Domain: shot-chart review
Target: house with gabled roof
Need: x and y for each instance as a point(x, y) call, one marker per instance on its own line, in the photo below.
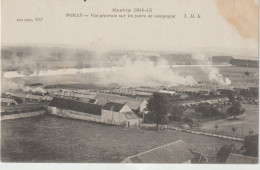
point(241, 159)
point(175, 152)
point(136, 104)
point(120, 114)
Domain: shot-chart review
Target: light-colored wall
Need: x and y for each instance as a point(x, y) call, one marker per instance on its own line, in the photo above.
point(106, 116)
point(73, 114)
point(112, 117)
point(23, 115)
point(143, 105)
point(125, 109)
point(118, 117)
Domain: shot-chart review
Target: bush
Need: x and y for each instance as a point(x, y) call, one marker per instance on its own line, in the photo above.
point(224, 152)
point(188, 121)
point(207, 110)
point(250, 147)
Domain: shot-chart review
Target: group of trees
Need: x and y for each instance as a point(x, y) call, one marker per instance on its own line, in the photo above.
point(159, 108)
point(249, 148)
point(207, 110)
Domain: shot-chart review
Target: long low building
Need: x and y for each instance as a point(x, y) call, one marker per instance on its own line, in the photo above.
point(8, 102)
point(74, 109)
point(110, 113)
point(209, 101)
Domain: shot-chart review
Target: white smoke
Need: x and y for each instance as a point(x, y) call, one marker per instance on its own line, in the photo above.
point(213, 72)
point(34, 90)
point(144, 72)
point(11, 85)
point(214, 75)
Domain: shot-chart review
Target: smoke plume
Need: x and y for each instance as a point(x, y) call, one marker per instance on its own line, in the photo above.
point(213, 72)
point(145, 72)
point(11, 85)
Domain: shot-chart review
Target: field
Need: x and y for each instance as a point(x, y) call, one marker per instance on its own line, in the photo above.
point(249, 122)
point(54, 139)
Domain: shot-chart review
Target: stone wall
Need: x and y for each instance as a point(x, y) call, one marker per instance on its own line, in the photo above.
point(23, 115)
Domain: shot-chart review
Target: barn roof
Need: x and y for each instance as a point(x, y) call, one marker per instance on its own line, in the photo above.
point(241, 159)
point(31, 96)
point(113, 106)
point(133, 103)
point(176, 152)
point(20, 95)
point(7, 100)
point(74, 105)
point(91, 100)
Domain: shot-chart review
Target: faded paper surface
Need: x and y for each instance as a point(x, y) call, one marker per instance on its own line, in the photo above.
point(78, 50)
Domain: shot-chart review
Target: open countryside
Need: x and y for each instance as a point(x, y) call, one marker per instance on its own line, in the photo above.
point(204, 110)
point(245, 125)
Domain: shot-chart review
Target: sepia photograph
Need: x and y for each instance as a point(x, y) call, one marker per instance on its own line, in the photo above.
point(130, 82)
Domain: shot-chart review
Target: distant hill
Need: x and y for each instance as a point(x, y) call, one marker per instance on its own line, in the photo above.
point(221, 59)
point(180, 59)
point(244, 63)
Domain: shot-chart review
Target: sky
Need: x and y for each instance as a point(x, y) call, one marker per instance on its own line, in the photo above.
point(219, 30)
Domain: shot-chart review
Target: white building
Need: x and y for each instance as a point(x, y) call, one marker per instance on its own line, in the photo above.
point(119, 113)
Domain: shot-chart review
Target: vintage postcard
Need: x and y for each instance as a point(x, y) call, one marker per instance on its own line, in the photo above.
point(130, 82)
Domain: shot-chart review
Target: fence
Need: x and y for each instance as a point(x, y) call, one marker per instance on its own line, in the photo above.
point(212, 133)
point(198, 131)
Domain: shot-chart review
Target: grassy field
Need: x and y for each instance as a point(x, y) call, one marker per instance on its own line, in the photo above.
point(54, 139)
point(249, 122)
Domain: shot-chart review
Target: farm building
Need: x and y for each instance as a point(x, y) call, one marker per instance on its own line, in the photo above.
point(183, 96)
point(111, 113)
point(119, 113)
point(20, 96)
point(8, 102)
point(244, 63)
point(33, 98)
point(167, 92)
point(74, 109)
point(46, 98)
point(131, 92)
point(136, 104)
point(176, 152)
point(241, 159)
point(25, 97)
point(223, 100)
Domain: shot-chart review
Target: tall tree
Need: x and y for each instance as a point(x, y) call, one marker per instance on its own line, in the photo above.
point(224, 152)
point(157, 106)
point(235, 110)
point(176, 112)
